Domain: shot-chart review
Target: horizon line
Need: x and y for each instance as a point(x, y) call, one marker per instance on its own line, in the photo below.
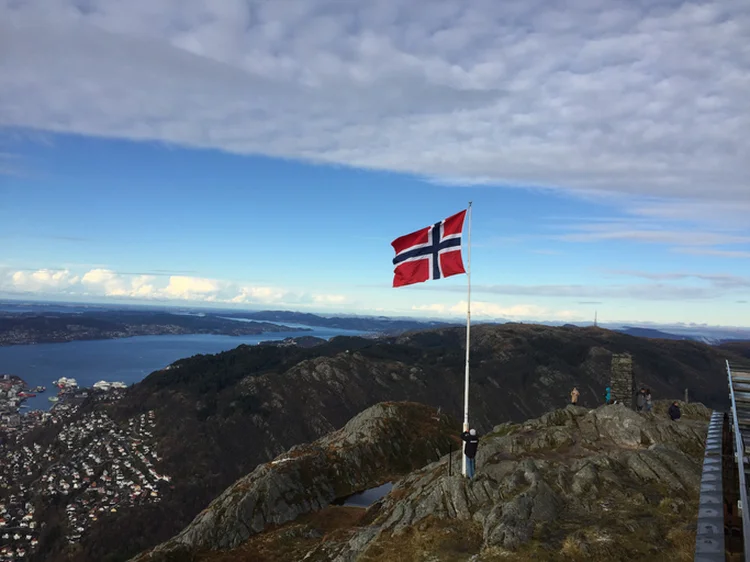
point(649, 324)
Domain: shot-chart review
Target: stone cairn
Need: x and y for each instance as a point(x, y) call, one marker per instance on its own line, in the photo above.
point(622, 384)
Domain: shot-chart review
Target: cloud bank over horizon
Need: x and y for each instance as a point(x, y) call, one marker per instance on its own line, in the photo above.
point(644, 98)
point(493, 301)
point(101, 282)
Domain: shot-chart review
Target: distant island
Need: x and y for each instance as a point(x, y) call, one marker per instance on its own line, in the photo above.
point(47, 327)
point(380, 324)
point(652, 333)
point(20, 328)
point(29, 323)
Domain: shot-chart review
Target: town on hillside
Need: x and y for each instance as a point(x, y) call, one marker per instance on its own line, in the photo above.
point(76, 458)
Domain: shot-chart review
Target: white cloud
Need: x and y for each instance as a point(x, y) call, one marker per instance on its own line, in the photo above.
point(183, 287)
point(637, 97)
point(330, 299)
point(102, 282)
point(43, 279)
point(263, 294)
point(105, 281)
point(142, 286)
point(494, 310)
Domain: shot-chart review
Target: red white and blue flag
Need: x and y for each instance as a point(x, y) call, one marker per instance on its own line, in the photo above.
point(433, 252)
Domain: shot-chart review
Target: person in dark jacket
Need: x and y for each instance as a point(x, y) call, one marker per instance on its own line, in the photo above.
point(674, 411)
point(471, 440)
point(640, 400)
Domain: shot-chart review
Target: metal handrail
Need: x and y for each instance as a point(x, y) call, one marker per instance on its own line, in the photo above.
point(739, 448)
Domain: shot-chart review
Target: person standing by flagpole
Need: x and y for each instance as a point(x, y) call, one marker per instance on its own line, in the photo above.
point(432, 253)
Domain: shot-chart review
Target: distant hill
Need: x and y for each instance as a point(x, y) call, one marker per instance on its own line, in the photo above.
point(382, 324)
point(652, 333)
point(218, 416)
point(710, 337)
point(51, 327)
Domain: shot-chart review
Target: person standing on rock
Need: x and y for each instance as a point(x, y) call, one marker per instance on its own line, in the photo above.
point(640, 400)
point(674, 411)
point(574, 394)
point(471, 440)
point(648, 405)
point(607, 395)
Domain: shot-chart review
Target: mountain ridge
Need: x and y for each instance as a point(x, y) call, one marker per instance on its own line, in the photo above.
point(218, 416)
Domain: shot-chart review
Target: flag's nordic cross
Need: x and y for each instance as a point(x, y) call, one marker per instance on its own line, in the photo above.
point(433, 252)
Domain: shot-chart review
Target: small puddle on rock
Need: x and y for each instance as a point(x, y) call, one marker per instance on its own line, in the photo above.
point(366, 498)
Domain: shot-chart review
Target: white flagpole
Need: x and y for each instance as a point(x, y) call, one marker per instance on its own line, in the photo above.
point(468, 328)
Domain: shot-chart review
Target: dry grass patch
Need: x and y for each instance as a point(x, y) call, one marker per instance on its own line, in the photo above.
point(438, 540)
point(290, 542)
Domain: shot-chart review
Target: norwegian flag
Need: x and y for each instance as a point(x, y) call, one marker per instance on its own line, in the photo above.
point(433, 252)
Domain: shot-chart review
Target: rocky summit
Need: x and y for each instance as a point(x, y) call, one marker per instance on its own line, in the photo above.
point(575, 484)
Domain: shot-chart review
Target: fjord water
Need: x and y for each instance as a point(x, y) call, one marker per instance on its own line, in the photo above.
point(127, 359)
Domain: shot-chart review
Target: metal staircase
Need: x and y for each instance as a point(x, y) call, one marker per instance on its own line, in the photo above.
point(709, 541)
point(739, 395)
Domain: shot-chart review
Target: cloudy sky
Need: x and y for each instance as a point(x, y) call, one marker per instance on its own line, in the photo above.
point(265, 153)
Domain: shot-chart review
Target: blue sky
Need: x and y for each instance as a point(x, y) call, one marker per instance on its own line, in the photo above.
point(208, 166)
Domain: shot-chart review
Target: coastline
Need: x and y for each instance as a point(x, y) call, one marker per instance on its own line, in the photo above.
point(167, 331)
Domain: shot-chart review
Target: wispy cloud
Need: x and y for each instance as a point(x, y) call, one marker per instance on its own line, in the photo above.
point(722, 214)
point(695, 236)
point(742, 254)
point(645, 291)
point(718, 280)
point(497, 241)
point(603, 96)
point(498, 311)
point(623, 231)
point(9, 165)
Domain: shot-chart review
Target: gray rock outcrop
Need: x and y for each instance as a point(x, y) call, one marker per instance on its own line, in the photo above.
point(607, 483)
point(380, 444)
point(562, 476)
